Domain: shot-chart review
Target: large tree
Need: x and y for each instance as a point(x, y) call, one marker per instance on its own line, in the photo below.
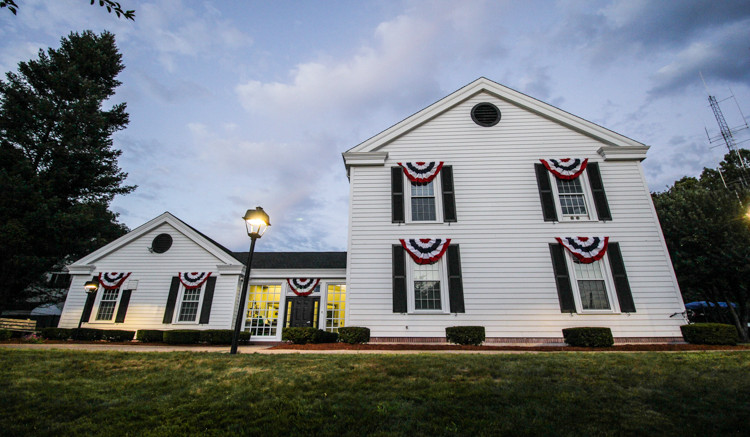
point(58, 166)
point(707, 229)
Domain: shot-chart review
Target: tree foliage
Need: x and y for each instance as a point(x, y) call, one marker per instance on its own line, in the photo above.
point(707, 230)
point(58, 167)
point(111, 6)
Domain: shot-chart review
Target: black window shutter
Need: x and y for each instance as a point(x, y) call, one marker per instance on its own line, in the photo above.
point(545, 193)
point(89, 305)
point(171, 300)
point(208, 298)
point(123, 308)
point(455, 283)
point(449, 196)
point(399, 279)
point(622, 286)
point(397, 195)
point(562, 279)
point(597, 189)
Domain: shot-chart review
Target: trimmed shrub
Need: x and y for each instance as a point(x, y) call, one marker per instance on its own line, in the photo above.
point(354, 334)
point(299, 335)
point(709, 333)
point(588, 337)
point(216, 336)
point(182, 336)
point(118, 335)
point(56, 333)
point(244, 337)
point(150, 335)
point(465, 335)
point(86, 334)
point(5, 334)
point(322, 336)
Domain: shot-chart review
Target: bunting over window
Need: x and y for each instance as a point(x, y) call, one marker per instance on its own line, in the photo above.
point(302, 286)
point(586, 249)
point(566, 168)
point(421, 172)
point(112, 280)
point(193, 279)
point(426, 250)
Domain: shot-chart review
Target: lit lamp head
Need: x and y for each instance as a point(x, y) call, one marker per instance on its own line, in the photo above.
point(91, 286)
point(256, 221)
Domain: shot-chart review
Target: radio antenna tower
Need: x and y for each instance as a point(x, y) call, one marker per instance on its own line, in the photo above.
point(727, 134)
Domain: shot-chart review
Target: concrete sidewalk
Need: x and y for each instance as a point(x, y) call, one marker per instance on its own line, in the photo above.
point(261, 349)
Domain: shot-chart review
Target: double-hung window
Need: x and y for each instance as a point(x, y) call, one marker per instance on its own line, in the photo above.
point(189, 304)
point(591, 284)
point(426, 279)
point(423, 202)
point(580, 198)
point(107, 304)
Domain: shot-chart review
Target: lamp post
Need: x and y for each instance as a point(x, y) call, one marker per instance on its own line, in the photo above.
point(90, 287)
point(256, 221)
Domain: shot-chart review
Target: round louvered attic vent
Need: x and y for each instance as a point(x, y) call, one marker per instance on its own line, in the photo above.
point(161, 243)
point(485, 114)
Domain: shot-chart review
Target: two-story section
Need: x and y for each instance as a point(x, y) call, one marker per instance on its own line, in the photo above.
point(495, 209)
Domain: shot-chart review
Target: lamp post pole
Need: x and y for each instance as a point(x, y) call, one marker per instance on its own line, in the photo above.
point(243, 297)
point(256, 221)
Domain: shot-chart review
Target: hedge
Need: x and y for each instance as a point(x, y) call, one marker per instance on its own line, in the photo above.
point(5, 334)
point(117, 335)
point(216, 336)
point(466, 335)
point(304, 335)
point(182, 336)
point(588, 337)
point(150, 335)
point(354, 335)
point(57, 333)
point(709, 333)
point(86, 334)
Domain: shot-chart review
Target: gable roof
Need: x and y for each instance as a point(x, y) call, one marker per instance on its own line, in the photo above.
point(211, 246)
point(374, 144)
point(295, 260)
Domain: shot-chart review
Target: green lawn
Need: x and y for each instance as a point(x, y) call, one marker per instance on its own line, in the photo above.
point(122, 393)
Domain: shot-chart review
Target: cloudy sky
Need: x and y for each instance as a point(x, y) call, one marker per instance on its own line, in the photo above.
point(235, 104)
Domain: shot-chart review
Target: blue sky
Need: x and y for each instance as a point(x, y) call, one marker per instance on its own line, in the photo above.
point(235, 104)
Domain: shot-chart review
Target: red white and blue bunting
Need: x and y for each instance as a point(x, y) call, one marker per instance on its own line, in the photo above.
point(566, 168)
point(426, 250)
point(112, 280)
point(193, 279)
point(421, 172)
point(586, 249)
point(302, 286)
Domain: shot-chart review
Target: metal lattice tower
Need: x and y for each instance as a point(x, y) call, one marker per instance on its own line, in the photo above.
point(726, 133)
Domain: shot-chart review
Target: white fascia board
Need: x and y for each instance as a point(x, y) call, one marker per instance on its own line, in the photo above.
point(502, 92)
point(623, 153)
point(261, 274)
point(84, 269)
point(233, 269)
point(168, 218)
point(365, 158)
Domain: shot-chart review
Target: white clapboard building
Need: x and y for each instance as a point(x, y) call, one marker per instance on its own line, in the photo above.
point(488, 208)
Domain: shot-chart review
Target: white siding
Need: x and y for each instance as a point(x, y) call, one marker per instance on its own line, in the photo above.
point(508, 280)
point(154, 274)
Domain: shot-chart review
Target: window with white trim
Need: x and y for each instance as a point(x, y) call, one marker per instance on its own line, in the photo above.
point(571, 197)
point(427, 286)
point(107, 304)
point(335, 307)
point(593, 291)
point(262, 315)
point(424, 203)
point(189, 304)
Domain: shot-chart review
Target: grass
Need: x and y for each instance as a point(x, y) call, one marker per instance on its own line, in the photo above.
point(176, 394)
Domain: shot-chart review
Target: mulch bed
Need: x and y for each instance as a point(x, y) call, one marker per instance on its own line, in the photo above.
point(452, 347)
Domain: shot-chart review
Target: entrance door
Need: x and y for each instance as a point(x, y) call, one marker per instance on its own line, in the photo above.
point(303, 311)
